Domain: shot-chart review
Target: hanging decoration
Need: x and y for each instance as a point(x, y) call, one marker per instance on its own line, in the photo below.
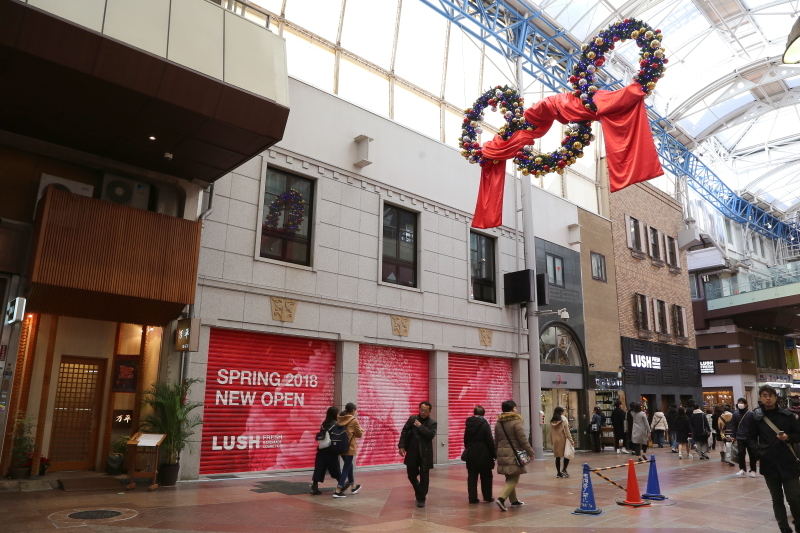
point(291, 200)
point(631, 154)
point(583, 79)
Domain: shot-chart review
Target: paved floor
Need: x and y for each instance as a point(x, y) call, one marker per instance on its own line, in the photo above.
point(702, 495)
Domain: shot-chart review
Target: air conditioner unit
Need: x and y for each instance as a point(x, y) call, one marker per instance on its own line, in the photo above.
point(64, 185)
point(124, 191)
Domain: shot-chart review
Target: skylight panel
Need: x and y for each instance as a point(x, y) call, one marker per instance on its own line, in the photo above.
point(416, 112)
point(420, 46)
point(363, 86)
point(317, 16)
point(368, 30)
point(309, 62)
point(462, 85)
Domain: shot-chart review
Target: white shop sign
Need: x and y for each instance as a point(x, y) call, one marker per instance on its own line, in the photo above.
point(645, 361)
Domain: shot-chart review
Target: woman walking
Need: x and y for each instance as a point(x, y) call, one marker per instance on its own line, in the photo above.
point(509, 438)
point(641, 431)
point(683, 428)
point(618, 422)
point(326, 460)
point(595, 429)
point(350, 422)
point(659, 426)
point(559, 435)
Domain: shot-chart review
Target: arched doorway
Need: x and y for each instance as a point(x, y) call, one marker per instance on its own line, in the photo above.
point(562, 361)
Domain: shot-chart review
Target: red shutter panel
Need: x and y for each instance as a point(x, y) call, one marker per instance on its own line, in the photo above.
point(391, 384)
point(266, 396)
point(485, 381)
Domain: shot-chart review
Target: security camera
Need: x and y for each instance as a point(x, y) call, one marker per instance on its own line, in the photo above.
point(168, 156)
point(563, 314)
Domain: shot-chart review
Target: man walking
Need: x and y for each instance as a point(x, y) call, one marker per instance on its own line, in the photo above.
point(772, 432)
point(479, 455)
point(672, 414)
point(618, 422)
point(742, 418)
point(416, 446)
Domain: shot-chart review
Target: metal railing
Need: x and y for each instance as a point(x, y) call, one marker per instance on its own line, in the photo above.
point(246, 10)
point(776, 276)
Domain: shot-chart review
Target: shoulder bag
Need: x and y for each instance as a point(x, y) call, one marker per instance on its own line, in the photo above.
point(777, 431)
point(521, 457)
point(323, 438)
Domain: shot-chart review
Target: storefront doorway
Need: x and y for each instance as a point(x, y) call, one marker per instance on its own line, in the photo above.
point(76, 415)
point(570, 401)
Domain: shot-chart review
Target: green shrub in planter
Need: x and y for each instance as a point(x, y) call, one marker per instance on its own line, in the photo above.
point(22, 444)
point(170, 414)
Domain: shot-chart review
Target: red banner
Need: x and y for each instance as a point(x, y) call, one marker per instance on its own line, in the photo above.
point(266, 396)
point(485, 381)
point(391, 384)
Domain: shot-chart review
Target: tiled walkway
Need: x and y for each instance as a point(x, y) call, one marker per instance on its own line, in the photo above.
point(702, 495)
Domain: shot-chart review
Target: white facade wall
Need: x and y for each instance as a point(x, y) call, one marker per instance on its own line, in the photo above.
point(340, 296)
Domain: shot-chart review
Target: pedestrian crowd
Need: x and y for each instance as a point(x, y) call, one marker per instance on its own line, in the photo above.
point(769, 436)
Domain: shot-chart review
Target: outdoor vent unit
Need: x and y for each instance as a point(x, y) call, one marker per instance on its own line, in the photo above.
point(124, 191)
point(64, 185)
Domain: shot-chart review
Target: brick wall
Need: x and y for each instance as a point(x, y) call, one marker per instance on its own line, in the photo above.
point(655, 208)
point(599, 298)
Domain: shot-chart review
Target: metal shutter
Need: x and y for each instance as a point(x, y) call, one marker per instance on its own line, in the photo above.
point(485, 381)
point(391, 384)
point(275, 429)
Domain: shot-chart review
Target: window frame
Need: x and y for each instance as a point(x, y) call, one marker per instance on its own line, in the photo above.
point(554, 283)
point(481, 281)
point(604, 277)
point(399, 262)
point(311, 219)
point(670, 252)
point(641, 312)
point(662, 319)
point(654, 241)
point(635, 233)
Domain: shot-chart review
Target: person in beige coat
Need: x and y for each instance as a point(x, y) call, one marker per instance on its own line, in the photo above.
point(559, 435)
point(350, 422)
point(509, 426)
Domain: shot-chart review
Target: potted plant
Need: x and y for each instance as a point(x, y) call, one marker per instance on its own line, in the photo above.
point(44, 464)
point(169, 413)
point(22, 446)
point(116, 458)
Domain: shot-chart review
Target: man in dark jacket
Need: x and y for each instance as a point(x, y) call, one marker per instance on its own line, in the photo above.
point(629, 420)
point(672, 414)
point(416, 446)
point(778, 462)
point(618, 423)
point(741, 423)
point(701, 429)
point(479, 454)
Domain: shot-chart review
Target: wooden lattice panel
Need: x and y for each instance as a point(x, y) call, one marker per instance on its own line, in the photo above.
point(76, 413)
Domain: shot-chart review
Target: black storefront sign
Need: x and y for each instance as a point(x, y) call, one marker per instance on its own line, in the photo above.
point(660, 371)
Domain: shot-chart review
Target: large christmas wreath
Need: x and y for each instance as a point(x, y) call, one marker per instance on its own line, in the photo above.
point(291, 200)
point(584, 84)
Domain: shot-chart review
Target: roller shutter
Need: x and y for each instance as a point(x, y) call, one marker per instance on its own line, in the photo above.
point(391, 384)
point(485, 381)
point(266, 396)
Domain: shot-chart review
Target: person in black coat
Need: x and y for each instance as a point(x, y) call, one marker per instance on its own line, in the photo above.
point(741, 421)
point(480, 455)
point(326, 460)
point(629, 420)
point(416, 447)
point(618, 423)
point(701, 430)
point(672, 413)
point(779, 465)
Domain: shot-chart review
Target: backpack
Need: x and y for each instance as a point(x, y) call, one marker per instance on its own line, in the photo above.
point(340, 441)
point(324, 438)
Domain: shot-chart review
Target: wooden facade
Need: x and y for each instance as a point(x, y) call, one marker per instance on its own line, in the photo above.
point(99, 260)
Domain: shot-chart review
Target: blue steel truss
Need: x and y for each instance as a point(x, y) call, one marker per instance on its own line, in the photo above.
point(549, 55)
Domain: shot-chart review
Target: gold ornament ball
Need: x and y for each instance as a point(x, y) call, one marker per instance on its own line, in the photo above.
point(584, 47)
point(658, 53)
point(651, 85)
point(580, 154)
point(648, 34)
point(587, 106)
point(591, 55)
point(577, 145)
point(560, 170)
point(538, 160)
point(585, 135)
point(592, 88)
point(464, 153)
point(598, 41)
point(646, 55)
point(634, 34)
point(562, 150)
point(655, 43)
point(525, 171)
point(473, 123)
point(503, 109)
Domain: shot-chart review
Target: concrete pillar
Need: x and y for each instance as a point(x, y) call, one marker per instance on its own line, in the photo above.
point(438, 388)
point(346, 376)
point(521, 390)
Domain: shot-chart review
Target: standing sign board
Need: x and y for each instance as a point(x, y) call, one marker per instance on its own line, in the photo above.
point(266, 396)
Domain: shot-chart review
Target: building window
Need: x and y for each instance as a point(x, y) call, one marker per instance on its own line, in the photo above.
point(286, 222)
point(482, 259)
point(399, 246)
point(677, 320)
point(636, 241)
point(598, 267)
point(769, 354)
point(693, 287)
point(642, 317)
point(672, 258)
point(661, 317)
point(558, 347)
point(655, 244)
point(555, 270)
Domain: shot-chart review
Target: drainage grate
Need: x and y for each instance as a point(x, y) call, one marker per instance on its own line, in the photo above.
point(94, 515)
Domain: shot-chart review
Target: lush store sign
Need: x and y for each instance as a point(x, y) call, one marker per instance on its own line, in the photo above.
point(645, 361)
point(265, 398)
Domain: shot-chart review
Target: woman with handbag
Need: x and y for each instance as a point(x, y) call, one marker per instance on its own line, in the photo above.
point(513, 452)
point(659, 427)
point(640, 434)
point(595, 427)
point(561, 438)
point(326, 460)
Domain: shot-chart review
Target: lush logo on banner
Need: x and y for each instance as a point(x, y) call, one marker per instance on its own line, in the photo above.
point(645, 361)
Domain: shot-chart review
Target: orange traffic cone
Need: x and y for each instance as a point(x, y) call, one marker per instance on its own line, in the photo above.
point(633, 498)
